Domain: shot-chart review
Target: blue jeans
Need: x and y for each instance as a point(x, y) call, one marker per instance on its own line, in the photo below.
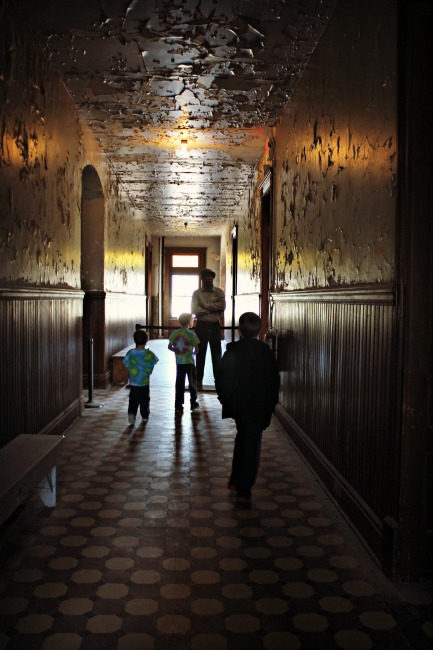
point(185, 370)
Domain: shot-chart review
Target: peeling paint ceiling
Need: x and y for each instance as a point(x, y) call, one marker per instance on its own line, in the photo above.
point(181, 94)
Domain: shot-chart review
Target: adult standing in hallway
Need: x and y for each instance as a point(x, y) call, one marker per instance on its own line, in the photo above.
point(208, 304)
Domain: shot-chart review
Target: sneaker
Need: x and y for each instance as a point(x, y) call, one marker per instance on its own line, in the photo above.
point(195, 406)
point(131, 418)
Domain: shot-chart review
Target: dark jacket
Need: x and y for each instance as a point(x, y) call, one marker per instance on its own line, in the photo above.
point(248, 381)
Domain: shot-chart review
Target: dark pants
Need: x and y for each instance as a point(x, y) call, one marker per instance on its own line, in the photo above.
point(246, 456)
point(139, 397)
point(208, 333)
point(185, 370)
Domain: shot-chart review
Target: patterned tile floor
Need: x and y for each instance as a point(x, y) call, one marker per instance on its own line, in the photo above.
point(147, 549)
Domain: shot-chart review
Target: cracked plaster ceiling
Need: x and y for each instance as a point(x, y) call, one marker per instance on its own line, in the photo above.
point(181, 94)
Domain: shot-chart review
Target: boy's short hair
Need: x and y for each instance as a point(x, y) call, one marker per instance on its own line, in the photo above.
point(140, 337)
point(250, 325)
point(185, 319)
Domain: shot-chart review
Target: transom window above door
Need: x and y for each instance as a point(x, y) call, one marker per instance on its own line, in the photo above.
point(185, 261)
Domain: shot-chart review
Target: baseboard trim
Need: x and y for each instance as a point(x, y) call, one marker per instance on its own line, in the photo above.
point(372, 532)
point(65, 419)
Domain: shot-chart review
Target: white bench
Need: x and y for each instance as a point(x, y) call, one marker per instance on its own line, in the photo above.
point(28, 462)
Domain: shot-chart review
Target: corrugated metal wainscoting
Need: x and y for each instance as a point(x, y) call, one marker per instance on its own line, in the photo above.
point(336, 355)
point(41, 365)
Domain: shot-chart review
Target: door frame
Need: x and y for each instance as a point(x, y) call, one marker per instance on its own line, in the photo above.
point(266, 235)
point(169, 270)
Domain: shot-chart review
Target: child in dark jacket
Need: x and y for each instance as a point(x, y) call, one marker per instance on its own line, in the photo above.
point(247, 385)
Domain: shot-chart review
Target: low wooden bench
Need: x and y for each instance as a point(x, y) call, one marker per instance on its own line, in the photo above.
point(120, 371)
point(28, 463)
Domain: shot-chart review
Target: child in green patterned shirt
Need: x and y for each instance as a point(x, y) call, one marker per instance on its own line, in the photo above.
point(184, 344)
point(140, 363)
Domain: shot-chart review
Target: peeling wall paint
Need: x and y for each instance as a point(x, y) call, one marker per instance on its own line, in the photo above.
point(335, 167)
point(336, 160)
point(44, 147)
point(125, 242)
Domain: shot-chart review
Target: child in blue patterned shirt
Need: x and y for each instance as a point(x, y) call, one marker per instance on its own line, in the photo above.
point(140, 363)
point(184, 344)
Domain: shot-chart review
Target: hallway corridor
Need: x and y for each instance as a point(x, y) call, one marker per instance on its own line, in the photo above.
point(147, 549)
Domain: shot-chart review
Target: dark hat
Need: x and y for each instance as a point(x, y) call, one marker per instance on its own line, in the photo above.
point(206, 272)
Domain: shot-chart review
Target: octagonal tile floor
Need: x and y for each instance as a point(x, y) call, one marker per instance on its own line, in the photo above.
point(148, 550)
